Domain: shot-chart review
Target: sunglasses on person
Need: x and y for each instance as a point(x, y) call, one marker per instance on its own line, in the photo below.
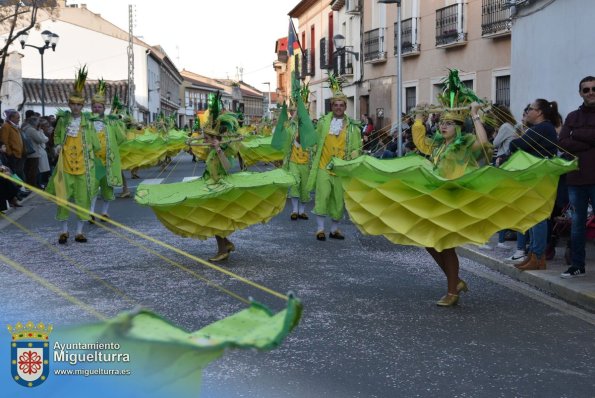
point(446, 123)
point(585, 90)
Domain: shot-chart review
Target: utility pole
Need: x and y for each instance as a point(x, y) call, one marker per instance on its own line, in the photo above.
point(131, 98)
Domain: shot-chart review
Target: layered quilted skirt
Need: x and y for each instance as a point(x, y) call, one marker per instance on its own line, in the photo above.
point(202, 208)
point(404, 200)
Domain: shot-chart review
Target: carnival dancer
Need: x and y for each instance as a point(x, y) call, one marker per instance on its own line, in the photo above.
point(338, 136)
point(296, 157)
point(110, 133)
point(453, 153)
point(74, 175)
point(218, 164)
point(455, 197)
point(219, 203)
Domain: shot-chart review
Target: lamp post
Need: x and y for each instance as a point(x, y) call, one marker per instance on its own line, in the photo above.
point(399, 77)
point(50, 40)
point(339, 43)
point(269, 103)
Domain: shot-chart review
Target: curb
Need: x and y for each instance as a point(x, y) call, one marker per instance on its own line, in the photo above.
point(572, 291)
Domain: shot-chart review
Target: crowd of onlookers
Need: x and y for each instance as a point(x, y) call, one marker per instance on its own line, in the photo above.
point(26, 153)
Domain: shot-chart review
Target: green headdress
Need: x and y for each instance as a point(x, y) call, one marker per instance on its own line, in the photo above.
point(220, 123)
point(77, 96)
point(336, 86)
point(116, 105)
point(456, 98)
point(99, 97)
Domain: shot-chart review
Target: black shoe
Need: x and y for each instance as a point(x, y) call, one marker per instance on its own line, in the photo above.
point(80, 238)
point(92, 219)
point(320, 235)
point(336, 235)
point(63, 238)
point(303, 216)
point(573, 272)
point(294, 216)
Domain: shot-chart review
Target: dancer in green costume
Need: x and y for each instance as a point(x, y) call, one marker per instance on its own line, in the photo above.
point(217, 165)
point(297, 161)
point(452, 153)
point(74, 175)
point(110, 134)
point(338, 136)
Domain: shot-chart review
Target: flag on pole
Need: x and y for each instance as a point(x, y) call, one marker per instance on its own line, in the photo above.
point(305, 126)
point(293, 42)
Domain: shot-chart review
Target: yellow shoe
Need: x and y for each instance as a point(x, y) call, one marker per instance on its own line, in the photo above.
point(462, 286)
point(448, 301)
point(219, 257)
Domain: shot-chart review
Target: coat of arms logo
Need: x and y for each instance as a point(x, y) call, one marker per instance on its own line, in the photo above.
point(29, 353)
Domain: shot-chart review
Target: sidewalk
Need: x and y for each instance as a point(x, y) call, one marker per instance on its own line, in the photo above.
point(578, 291)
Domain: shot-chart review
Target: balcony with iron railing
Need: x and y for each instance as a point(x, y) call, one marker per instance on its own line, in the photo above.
point(308, 63)
point(409, 38)
point(496, 18)
point(343, 62)
point(449, 27)
point(374, 46)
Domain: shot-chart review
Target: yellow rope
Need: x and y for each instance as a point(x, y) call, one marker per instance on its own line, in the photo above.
point(50, 286)
point(66, 203)
point(70, 260)
point(174, 263)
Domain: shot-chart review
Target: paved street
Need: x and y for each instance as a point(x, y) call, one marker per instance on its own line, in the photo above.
point(370, 326)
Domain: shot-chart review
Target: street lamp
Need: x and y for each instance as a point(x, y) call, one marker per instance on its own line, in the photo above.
point(339, 43)
point(50, 40)
point(399, 77)
point(269, 103)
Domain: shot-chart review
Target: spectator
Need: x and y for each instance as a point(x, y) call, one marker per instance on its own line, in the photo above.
point(10, 134)
point(578, 137)
point(540, 140)
point(367, 129)
point(37, 140)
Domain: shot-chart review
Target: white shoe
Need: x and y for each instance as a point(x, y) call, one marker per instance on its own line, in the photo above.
point(486, 247)
point(502, 245)
point(518, 257)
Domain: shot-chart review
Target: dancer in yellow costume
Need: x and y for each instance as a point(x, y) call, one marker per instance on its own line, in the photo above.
point(452, 153)
point(338, 136)
point(110, 133)
point(74, 175)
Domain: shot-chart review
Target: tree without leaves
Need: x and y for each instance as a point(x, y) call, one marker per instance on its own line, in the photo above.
point(18, 17)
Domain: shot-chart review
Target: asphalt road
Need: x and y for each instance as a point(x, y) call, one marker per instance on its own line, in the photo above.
point(370, 326)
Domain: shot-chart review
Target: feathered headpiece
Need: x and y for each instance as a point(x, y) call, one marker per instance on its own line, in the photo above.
point(220, 123)
point(99, 97)
point(336, 86)
point(116, 105)
point(77, 96)
point(456, 98)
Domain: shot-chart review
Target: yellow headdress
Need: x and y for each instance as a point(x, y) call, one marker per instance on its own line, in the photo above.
point(77, 96)
point(336, 86)
point(456, 98)
point(99, 97)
